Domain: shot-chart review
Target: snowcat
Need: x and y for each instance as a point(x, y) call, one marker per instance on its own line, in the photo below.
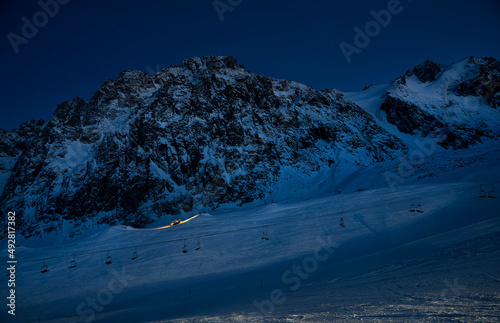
point(177, 221)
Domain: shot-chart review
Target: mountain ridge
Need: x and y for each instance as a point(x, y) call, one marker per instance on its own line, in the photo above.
point(198, 136)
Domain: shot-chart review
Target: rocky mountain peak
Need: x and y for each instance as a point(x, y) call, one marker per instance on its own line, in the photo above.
point(198, 136)
point(210, 63)
point(132, 75)
point(441, 98)
point(427, 71)
point(30, 127)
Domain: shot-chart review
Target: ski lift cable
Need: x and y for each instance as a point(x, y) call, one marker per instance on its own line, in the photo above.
point(242, 229)
point(234, 231)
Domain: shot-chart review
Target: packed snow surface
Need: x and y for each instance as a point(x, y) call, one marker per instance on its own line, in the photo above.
point(386, 264)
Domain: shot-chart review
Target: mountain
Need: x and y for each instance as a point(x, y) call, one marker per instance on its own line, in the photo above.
point(209, 133)
point(199, 135)
point(458, 103)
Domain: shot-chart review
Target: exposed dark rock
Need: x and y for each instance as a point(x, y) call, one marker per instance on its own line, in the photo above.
point(486, 82)
point(426, 72)
point(196, 136)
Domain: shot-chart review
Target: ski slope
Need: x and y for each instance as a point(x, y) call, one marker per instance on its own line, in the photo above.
point(387, 264)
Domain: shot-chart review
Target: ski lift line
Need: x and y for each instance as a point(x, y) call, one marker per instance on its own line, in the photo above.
point(243, 229)
point(233, 231)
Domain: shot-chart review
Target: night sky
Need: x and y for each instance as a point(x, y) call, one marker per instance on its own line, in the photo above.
point(87, 42)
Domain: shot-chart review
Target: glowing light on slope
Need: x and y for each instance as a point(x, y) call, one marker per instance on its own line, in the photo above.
point(170, 225)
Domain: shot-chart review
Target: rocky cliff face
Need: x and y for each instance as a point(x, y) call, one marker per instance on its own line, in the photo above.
point(459, 101)
point(483, 80)
point(200, 135)
point(209, 133)
point(426, 72)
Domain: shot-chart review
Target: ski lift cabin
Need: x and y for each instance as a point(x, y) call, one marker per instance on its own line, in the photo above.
point(412, 207)
point(198, 245)
point(264, 233)
point(108, 259)
point(134, 254)
point(72, 264)
point(45, 268)
point(482, 193)
point(419, 207)
point(491, 193)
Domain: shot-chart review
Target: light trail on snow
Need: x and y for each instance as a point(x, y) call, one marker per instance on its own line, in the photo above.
point(337, 213)
point(170, 225)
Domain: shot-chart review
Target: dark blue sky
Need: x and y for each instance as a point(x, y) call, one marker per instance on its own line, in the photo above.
point(90, 41)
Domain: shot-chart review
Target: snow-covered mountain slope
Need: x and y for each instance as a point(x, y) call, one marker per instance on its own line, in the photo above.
point(386, 264)
point(458, 104)
point(209, 134)
point(192, 137)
